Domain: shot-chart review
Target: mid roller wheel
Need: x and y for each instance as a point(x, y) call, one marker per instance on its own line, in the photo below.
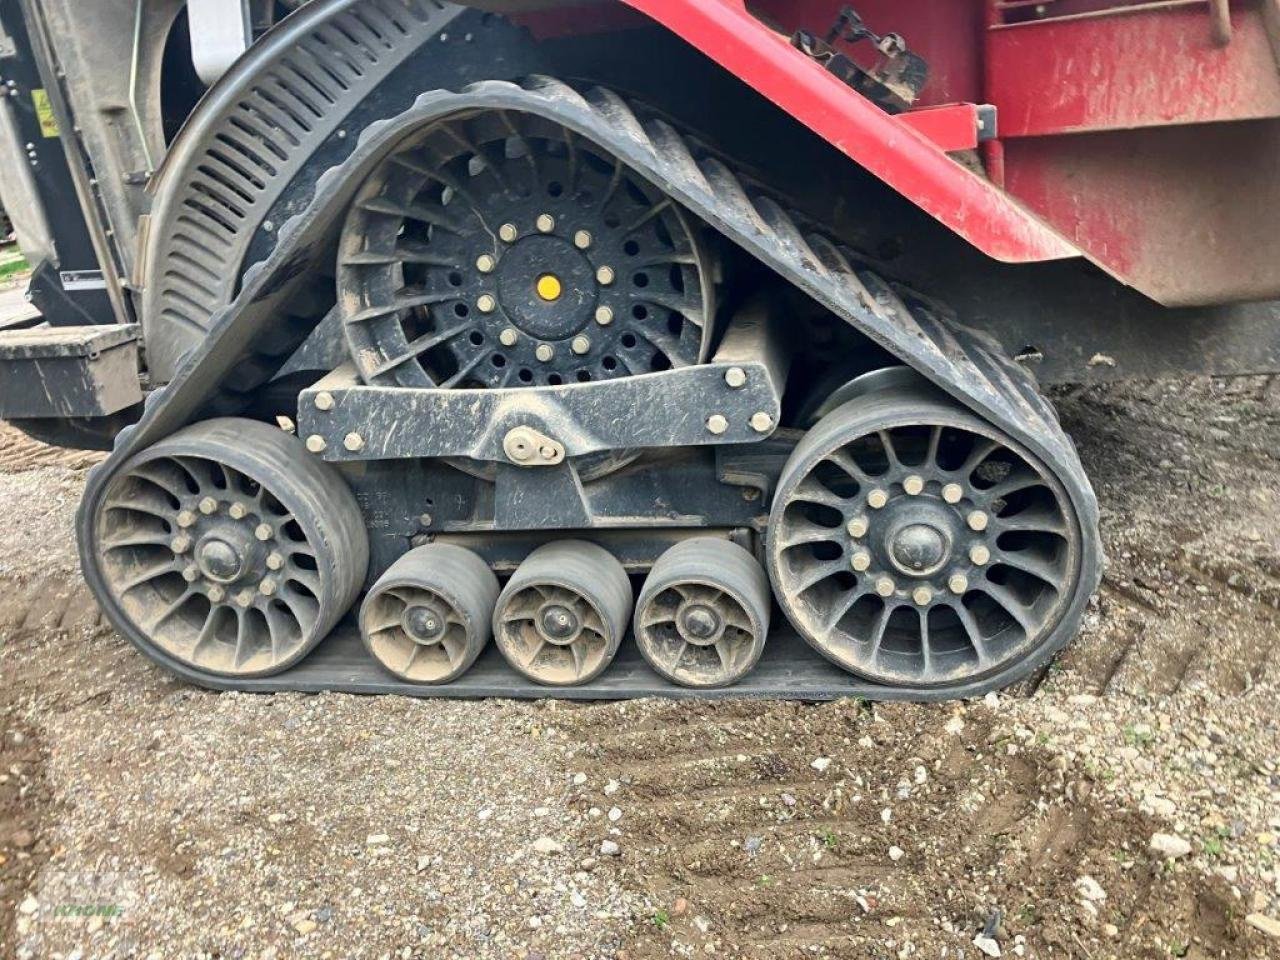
point(429, 616)
point(703, 615)
point(229, 549)
point(915, 545)
point(562, 615)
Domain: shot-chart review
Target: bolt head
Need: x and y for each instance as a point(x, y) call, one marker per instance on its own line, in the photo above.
point(180, 544)
point(913, 485)
point(315, 443)
point(580, 345)
point(582, 239)
point(353, 442)
point(761, 422)
point(508, 337)
point(606, 276)
point(191, 573)
point(263, 532)
point(208, 506)
point(545, 353)
point(547, 453)
point(216, 594)
point(735, 377)
point(275, 560)
point(238, 511)
point(953, 493)
point(545, 223)
point(860, 561)
point(980, 555)
point(604, 316)
point(486, 263)
point(877, 499)
point(244, 598)
point(186, 519)
point(267, 587)
point(923, 596)
point(486, 303)
point(978, 521)
point(323, 400)
point(717, 424)
point(885, 587)
point(958, 584)
point(858, 527)
point(508, 232)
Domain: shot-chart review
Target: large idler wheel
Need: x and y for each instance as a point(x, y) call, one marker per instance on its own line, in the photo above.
point(915, 545)
point(562, 615)
point(429, 616)
point(229, 549)
point(703, 614)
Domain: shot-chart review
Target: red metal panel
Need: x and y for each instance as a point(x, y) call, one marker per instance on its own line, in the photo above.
point(903, 158)
point(1153, 65)
point(953, 127)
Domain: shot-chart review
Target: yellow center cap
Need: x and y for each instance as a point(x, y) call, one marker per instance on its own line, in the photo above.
point(549, 287)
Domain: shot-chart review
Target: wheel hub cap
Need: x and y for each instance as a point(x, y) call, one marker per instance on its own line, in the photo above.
point(919, 549)
point(423, 624)
point(558, 624)
point(546, 287)
point(700, 624)
point(220, 560)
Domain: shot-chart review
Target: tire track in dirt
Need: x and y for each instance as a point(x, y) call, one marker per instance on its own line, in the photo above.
point(19, 452)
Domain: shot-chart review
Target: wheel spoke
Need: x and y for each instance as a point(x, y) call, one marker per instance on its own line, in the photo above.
point(842, 605)
point(817, 573)
point(1009, 603)
point(1038, 568)
point(798, 534)
point(421, 345)
point(170, 609)
point(145, 577)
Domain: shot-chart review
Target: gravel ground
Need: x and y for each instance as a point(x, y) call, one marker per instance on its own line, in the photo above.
point(1126, 805)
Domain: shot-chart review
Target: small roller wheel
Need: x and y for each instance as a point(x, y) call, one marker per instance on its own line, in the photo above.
point(562, 615)
point(227, 549)
point(429, 616)
point(703, 614)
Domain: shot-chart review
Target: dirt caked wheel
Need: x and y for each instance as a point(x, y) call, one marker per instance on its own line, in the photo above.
point(229, 549)
point(915, 545)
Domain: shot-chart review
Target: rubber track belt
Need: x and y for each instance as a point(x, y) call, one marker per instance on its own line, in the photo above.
point(961, 362)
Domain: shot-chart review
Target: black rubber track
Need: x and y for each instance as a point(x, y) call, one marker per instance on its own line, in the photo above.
point(958, 361)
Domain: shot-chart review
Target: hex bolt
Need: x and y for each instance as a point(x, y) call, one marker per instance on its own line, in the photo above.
point(485, 263)
point(860, 561)
point(191, 573)
point(761, 422)
point(508, 337)
point(606, 276)
point(267, 587)
point(275, 560)
point(244, 598)
point(315, 443)
point(216, 594)
point(914, 485)
point(923, 596)
point(180, 544)
point(520, 451)
point(958, 584)
point(580, 345)
point(885, 587)
point(186, 518)
point(953, 493)
point(238, 511)
point(208, 506)
point(545, 352)
point(508, 232)
point(545, 223)
point(323, 400)
point(980, 555)
point(978, 521)
point(858, 527)
point(877, 499)
point(353, 442)
point(263, 532)
point(424, 520)
point(604, 316)
point(582, 239)
point(735, 377)
point(486, 303)
point(547, 453)
point(717, 424)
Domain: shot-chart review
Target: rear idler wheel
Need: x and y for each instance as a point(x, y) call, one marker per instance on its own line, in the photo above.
point(229, 549)
point(918, 546)
point(562, 615)
point(703, 615)
point(429, 616)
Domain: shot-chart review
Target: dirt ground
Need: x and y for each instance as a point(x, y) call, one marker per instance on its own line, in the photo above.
point(1127, 805)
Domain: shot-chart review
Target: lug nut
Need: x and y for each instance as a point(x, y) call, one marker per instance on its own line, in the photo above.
point(582, 239)
point(323, 400)
point(486, 303)
point(958, 584)
point(580, 345)
point(315, 443)
point(885, 587)
point(186, 518)
point(978, 521)
point(508, 233)
point(860, 561)
point(244, 598)
point(238, 511)
point(923, 596)
point(545, 223)
point(953, 493)
point(216, 594)
point(735, 377)
point(508, 337)
point(275, 560)
point(485, 263)
point(180, 544)
point(858, 527)
point(208, 506)
point(353, 442)
point(914, 485)
point(980, 555)
point(191, 574)
point(544, 352)
point(761, 422)
point(267, 587)
point(877, 499)
point(606, 276)
point(717, 424)
point(604, 316)
point(263, 532)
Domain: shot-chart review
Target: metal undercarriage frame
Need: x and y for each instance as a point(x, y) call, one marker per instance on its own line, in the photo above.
point(906, 326)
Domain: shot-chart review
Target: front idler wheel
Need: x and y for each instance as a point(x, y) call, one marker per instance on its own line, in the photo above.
point(703, 615)
point(562, 615)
